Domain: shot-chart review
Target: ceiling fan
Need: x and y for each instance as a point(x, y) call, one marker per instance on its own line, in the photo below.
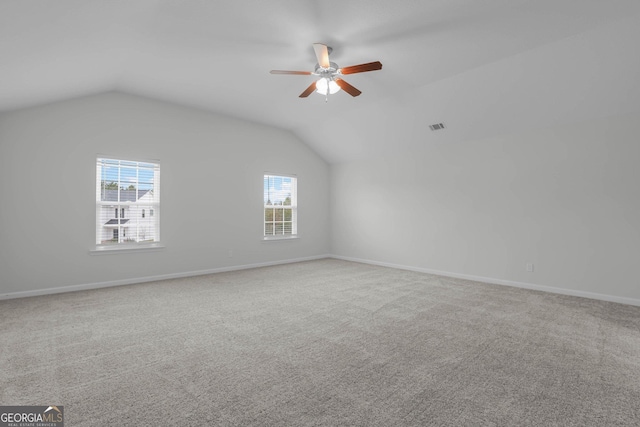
point(330, 80)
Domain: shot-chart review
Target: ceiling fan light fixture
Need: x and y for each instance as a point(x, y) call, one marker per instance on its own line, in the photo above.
point(321, 86)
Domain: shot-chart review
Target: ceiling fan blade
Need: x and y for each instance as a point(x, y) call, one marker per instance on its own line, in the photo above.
point(322, 53)
point(347, 87)
point(301, 73)
point(308, 91)
point(371, 66)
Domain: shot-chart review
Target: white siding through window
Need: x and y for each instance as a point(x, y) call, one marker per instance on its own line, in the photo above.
point(125, 190)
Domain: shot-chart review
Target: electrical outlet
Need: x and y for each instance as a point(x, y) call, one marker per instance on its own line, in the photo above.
point(530, 267)
point(230, 254)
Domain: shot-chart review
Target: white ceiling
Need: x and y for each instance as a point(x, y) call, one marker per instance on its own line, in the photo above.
point(483, 67)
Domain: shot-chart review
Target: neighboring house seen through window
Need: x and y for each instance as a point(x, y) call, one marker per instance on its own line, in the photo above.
point(280, 206)
point(124, 189)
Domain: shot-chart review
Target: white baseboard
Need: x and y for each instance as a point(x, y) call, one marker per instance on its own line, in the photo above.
point(555, 290)
point(551, 289)
point(83, 287)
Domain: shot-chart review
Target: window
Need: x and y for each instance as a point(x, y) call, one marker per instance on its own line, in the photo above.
point(280, 206)
point(132, 186)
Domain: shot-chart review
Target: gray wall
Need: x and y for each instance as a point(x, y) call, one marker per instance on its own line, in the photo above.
point(566, 199)
point(211, 190)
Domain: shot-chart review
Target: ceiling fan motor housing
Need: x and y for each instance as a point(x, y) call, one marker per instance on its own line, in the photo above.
point(327, 72)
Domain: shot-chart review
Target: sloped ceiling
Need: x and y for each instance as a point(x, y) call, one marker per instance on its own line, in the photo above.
point(482, 67)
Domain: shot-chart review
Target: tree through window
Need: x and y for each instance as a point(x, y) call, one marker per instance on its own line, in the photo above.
point(280, 206)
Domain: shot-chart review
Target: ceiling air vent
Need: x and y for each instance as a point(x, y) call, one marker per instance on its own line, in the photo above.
point(436, 126)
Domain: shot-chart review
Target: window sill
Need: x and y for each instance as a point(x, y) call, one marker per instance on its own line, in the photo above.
point(280, 238)
point(104, 250)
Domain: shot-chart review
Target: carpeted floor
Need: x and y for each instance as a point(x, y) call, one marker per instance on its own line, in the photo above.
point(322, 343)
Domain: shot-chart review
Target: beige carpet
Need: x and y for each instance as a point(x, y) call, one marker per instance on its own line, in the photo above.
point(325, 342)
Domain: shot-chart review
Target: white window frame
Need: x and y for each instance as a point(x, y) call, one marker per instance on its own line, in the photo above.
point(155, 204)
point(294, 210)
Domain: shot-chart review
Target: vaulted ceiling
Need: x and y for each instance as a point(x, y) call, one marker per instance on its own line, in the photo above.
point(482, 67)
